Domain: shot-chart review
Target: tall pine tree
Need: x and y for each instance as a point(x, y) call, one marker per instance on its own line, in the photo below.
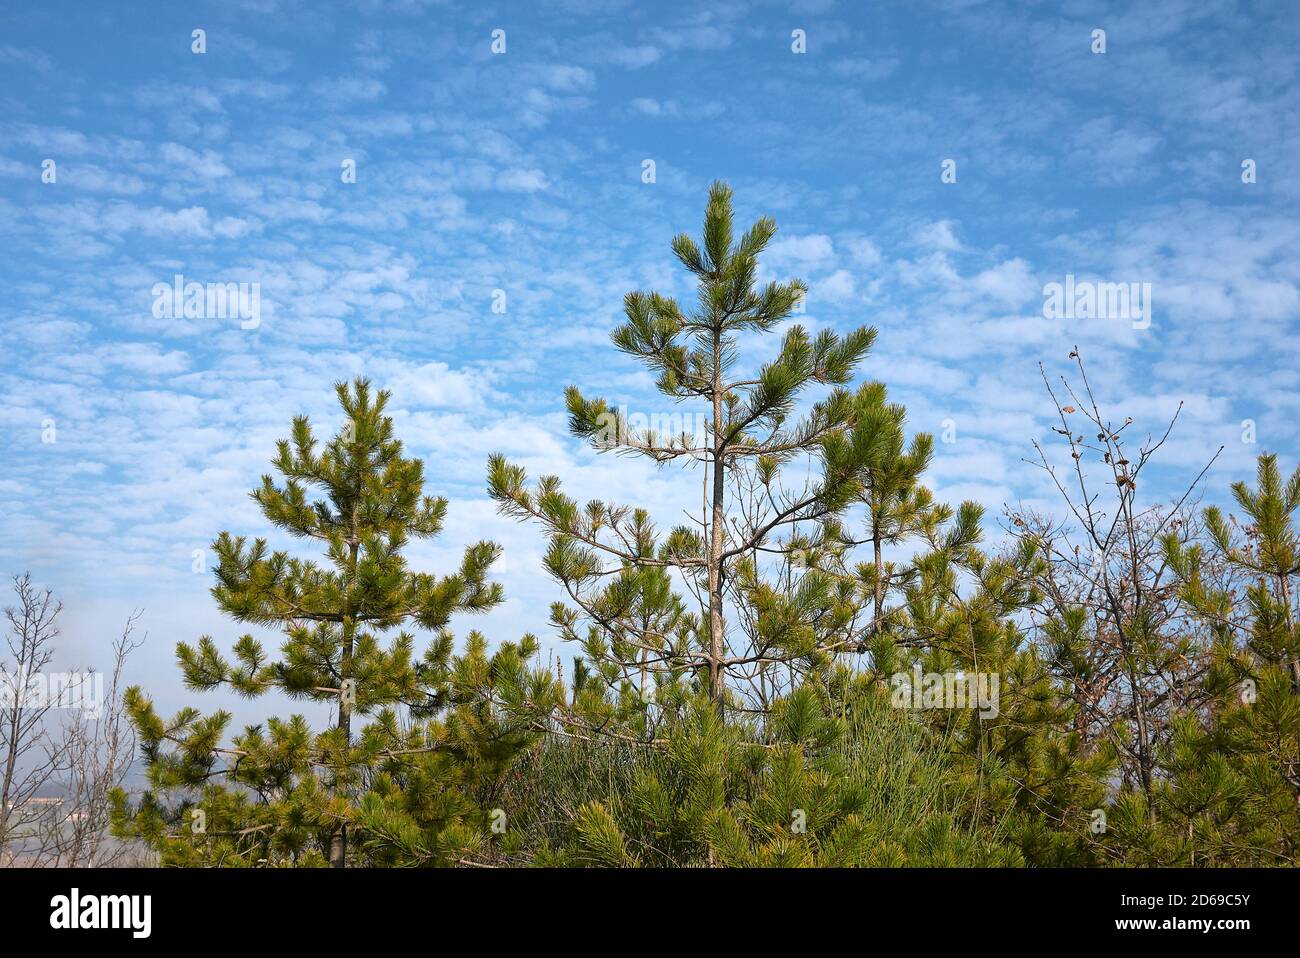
point(750, 618)
point(282, 793)
point(1230, 792)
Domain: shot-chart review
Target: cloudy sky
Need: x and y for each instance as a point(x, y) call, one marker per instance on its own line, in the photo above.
point(524, 171)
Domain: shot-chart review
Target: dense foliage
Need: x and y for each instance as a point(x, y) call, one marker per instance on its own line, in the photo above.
point(827, 668)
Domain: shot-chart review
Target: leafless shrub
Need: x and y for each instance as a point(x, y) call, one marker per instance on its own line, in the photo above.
point(56, 774)
point(1112, 622)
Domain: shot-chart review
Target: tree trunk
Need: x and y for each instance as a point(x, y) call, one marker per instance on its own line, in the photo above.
point(1284, 585)
point(715, 532)
point(880, 573)
point(339, 838)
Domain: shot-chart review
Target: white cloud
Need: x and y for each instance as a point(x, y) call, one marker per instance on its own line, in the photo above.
point(633, 57)
point(813, 249)
point(342, 91)
point(836, 288)
point(938, 235)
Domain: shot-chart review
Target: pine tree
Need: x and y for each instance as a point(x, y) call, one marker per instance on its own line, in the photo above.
point(406, 781)
point(828, 777)
point(898, 507)
point(897, 511)
point(747, 620)
point(950, 610)
point(958, 627)
point(1230, 792)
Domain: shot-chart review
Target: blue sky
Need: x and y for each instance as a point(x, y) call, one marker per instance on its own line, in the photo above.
point(522, 172)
